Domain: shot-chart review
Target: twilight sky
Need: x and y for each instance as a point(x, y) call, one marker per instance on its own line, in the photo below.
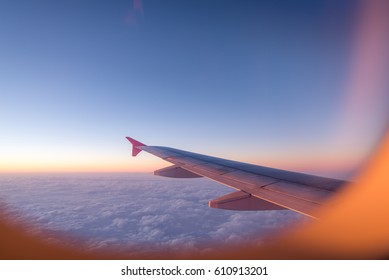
point(291, 84)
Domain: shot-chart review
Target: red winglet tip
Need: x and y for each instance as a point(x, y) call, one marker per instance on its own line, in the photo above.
point(135, 145)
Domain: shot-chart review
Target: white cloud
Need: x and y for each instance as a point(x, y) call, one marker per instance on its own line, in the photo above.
point(119, 222)
point(127, 209)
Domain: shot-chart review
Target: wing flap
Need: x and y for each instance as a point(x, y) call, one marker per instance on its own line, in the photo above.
point(175, 171)
point(242, 201)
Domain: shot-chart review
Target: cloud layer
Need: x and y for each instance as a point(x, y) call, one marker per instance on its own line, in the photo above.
point(141, 210)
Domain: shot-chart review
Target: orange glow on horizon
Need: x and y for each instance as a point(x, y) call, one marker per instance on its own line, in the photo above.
point(128, 164)
point(148, 163)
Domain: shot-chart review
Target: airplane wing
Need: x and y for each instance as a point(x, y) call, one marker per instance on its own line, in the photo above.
point(258, 187)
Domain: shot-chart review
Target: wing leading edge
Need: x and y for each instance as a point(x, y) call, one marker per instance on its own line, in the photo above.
point(259, 187)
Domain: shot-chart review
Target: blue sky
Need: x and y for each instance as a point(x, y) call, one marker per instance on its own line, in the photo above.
point(257, 81)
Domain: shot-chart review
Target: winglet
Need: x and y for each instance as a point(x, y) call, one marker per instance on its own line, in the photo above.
point(135, 145)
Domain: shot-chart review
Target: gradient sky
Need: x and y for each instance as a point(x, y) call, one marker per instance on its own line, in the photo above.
point(288, 84)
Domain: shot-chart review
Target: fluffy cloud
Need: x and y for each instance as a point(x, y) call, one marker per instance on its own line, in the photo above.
point(125, 210)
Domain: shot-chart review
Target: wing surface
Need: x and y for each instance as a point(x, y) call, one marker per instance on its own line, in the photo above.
point(259, 187)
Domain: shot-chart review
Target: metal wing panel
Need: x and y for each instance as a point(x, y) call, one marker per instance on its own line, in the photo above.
point(305, 179)
point(300, 178)
point(250, 178)
point(184, 161)
point(300, 191)
point(285, 200)
point(214, 168)
point(157, 151)
point(296, 191)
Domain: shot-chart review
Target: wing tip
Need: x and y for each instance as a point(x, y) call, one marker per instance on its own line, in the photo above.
point(135, 146)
